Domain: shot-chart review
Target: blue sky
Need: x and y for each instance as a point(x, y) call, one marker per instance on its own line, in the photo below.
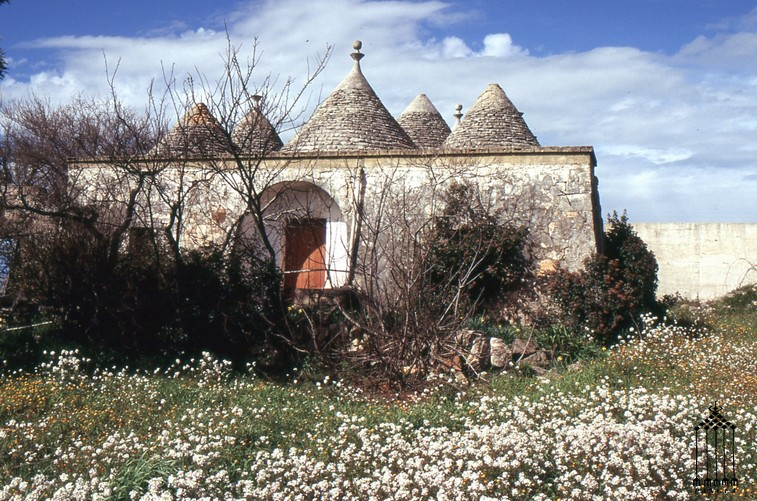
point(665, 90)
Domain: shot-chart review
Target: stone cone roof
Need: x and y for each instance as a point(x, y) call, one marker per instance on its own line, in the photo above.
point(423, 123)
point(492, 122)
point(351, 119)
point(197, 134)
point(255, 135)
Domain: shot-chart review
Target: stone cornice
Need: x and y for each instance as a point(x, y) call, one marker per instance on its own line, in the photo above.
point(377, 154)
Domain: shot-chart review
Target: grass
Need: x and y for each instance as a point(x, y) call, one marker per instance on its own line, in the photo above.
point(617, 424)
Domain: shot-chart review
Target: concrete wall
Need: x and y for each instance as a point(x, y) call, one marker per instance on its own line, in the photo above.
point(702, 260)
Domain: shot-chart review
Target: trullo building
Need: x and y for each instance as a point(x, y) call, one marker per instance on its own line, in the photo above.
point(337, 199)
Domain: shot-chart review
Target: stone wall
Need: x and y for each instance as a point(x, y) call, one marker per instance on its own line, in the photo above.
point(552, 190)
point(702, 260)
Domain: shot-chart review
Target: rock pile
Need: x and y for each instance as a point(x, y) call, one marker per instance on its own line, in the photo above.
point(482, 353)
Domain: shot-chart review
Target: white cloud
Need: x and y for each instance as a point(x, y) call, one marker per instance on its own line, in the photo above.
point(453, 47)
point(500, 45)
point(494, 45)
point(667, 129)
point(686, 194)
point(652, 155)
point(722, 50)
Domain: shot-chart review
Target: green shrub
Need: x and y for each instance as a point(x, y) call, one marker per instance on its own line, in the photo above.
point(108, 304)
point(565, 345)
point(472, 249)
point(741, 300)
point(614, 288)
point(227, 304)
point(21, 346)
point(138, 305)
point(502, 331)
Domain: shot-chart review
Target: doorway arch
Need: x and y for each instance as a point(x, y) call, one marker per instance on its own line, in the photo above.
point(308, 233)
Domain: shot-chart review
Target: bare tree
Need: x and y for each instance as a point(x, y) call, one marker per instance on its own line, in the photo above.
point(134, 186)
point(434, 248)
point(242, 118)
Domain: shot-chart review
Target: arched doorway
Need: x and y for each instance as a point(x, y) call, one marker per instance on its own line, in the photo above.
point(307, 231)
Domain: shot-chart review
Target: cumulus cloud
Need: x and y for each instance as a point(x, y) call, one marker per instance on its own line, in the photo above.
point(453, 47)
point(500, 45)
point(674, 134)
point(494, 45)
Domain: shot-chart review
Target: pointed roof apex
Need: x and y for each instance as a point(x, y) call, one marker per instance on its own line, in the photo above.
point(355, 78)
point(352, 118)
point(423, 123)
point(199, 114)
point(492, 122)
point(196, 134)
point(421, 104)
point(254, 133)
point(357, 55)
point(458, 114)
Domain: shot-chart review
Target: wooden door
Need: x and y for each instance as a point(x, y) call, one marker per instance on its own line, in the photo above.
point(305, 254)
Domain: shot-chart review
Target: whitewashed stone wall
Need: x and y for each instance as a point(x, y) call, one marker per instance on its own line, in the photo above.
point(552, 190)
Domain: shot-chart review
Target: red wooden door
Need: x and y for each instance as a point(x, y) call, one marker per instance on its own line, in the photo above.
point(305, 254)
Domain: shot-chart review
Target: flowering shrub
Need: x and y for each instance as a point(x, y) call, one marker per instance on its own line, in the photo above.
point(622, 430)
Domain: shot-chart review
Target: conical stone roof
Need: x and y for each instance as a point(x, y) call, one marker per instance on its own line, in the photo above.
point(254, 134)
point(351, 119)
point(197, 134)
point(492, 122)
point(423, 123)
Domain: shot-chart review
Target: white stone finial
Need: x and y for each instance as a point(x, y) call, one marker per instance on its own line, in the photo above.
point(256, 101)
point(357, 55)
point(458, 113)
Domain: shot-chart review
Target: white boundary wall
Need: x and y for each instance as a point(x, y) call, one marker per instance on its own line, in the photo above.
point(702, 260)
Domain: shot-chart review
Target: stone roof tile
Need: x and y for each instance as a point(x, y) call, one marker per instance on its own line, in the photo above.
point(197, 134)
point(254, 134)
point(351, 119)
point(423, 123)
point(492, 122)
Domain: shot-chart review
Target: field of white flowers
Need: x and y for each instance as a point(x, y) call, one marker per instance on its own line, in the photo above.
point(619, 428)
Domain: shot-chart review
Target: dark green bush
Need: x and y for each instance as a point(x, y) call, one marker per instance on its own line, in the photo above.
point(470, 249)
point(614, 288)
point(96, 301)
point(135, 306)
point(228, 304)
point(21, 346)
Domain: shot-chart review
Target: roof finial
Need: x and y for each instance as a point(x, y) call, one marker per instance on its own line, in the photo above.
point(357, 55)
point(256, 101)
point(458, 113)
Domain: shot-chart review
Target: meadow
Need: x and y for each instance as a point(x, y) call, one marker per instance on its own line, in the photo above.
point(620, 426)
